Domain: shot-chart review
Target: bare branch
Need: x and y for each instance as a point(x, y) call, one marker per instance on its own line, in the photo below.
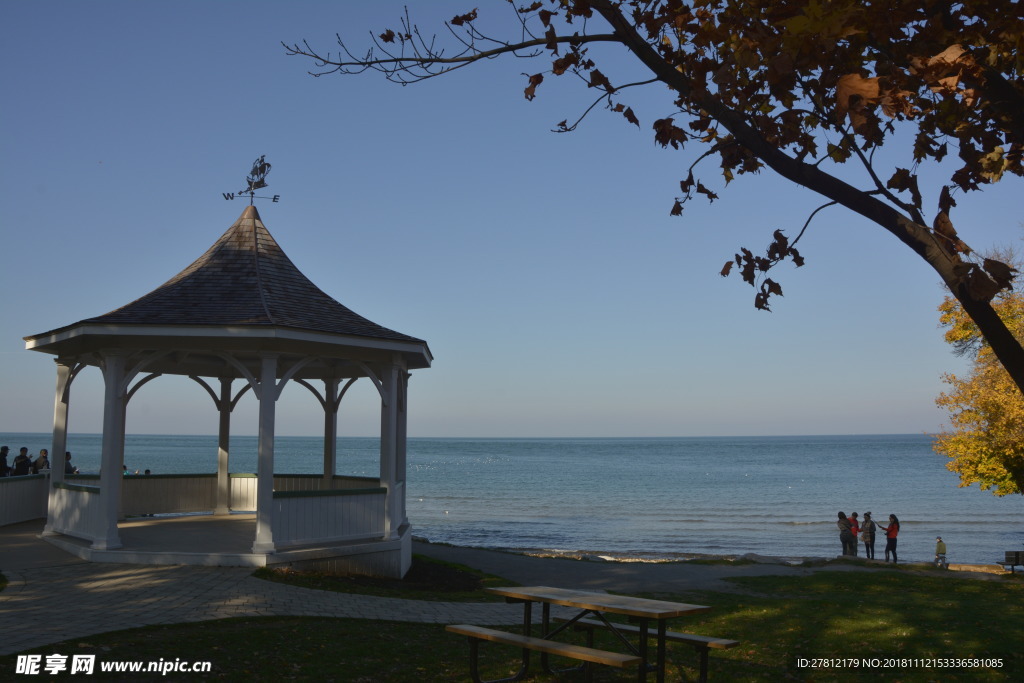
point(425, 61)
point(810, 218)
point(563, 127)
point(912, 209)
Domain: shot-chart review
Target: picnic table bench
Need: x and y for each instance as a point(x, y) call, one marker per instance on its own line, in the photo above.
point(1014, 558)
point(475, 634)
point(647, 613)
point(703, 644)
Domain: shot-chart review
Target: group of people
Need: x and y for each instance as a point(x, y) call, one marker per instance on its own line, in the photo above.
point(24, 464)
point(851, 527)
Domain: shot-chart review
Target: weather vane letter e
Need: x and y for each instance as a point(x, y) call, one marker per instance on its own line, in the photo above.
point(256, 179)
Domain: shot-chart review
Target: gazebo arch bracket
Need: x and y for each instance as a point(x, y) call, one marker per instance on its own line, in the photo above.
point(330, 401)
point(372, 376)
point(225, 405)
point(138, 385)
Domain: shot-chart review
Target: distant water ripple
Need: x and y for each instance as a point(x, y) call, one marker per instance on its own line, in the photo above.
point(664, 497)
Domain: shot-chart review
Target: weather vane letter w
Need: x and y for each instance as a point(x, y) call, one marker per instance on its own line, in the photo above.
point(256, 180)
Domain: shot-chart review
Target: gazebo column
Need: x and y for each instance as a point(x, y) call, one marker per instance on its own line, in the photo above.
point(264, 542)
point(59, 443)
point(331, 403)
point(120, 469)
point(112, 456)
point(224, 408)
point(401, 457)
point(389, 450)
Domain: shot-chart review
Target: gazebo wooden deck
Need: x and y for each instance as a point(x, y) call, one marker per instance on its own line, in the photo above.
point(242, 311)
point(222, 541)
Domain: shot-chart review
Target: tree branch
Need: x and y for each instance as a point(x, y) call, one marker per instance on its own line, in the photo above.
point(393, 65)
point(914, 235)
point(810, 218)
point(968, 282)
point(563, 127)
point(913, 210)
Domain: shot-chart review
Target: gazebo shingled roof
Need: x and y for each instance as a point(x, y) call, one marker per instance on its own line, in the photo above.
point(245, 278)
point(243, 286)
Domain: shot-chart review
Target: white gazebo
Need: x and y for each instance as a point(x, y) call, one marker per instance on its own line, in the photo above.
point(241, 312)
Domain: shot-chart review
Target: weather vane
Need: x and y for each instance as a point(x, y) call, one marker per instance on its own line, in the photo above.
point(256, 179)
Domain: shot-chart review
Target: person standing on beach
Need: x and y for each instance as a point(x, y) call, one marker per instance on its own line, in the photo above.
point(891, 532)
point(845, 536)
point(867, 534)
point(855, 530)
point(940, 553)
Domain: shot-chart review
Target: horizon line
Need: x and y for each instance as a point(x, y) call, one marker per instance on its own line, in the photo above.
point(504, 438)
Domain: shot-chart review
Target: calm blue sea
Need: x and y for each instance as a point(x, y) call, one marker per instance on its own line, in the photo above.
point(664, 497)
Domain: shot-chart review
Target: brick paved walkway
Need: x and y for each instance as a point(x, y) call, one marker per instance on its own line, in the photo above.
point(52, 604)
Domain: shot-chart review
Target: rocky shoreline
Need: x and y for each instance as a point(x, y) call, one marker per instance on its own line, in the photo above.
point(727, 560)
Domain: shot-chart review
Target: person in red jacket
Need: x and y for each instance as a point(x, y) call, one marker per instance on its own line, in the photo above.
point(891, 532)
point(855, 530)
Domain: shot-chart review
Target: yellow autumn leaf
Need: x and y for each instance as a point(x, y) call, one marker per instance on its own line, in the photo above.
point(985, 441)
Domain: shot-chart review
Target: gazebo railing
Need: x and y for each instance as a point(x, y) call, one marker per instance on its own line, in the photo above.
point(308, 509)
point(23, 498)
point(77, 510)
point(307, 517)
point(243, 486)
point(189, 493)
point(168, 493)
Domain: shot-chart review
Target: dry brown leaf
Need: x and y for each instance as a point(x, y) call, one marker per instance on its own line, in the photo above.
point(951, 55)
point(853, 90)
point(981, 286)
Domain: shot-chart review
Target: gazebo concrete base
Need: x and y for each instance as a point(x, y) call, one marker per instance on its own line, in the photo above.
point(226, 541)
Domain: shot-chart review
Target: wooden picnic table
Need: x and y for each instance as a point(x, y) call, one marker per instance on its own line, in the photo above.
point(642, 611)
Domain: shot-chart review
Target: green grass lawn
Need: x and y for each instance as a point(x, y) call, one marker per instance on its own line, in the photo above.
point(863, 615)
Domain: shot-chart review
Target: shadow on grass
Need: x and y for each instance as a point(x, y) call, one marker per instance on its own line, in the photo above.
point(427, 579)
point(894, 625)
point(891, 624)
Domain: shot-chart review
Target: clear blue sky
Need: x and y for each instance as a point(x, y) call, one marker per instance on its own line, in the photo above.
point(556, 293)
